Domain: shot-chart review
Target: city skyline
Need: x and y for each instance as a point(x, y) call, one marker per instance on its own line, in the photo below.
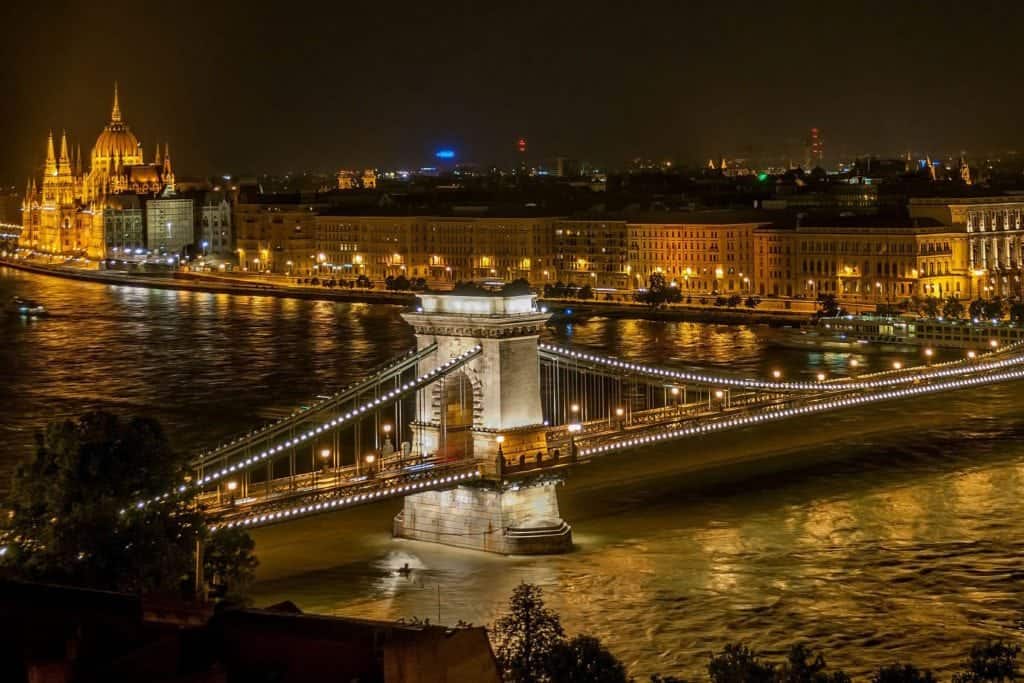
point(368, 87)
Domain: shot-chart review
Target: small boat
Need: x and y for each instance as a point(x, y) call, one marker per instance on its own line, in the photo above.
point(26, 307)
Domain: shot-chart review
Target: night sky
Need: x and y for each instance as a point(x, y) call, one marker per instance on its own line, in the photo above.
point(246, 87)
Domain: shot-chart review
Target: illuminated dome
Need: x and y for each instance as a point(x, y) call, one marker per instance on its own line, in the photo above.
point(117, 140)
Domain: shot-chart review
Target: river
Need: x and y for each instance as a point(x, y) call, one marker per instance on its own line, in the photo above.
point(893, 532)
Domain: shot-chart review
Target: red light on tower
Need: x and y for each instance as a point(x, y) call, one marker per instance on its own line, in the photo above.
point(521, 145)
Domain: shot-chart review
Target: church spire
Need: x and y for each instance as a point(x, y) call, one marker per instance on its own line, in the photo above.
point(115, 114)
point(156, 157)
point(65, 158)
point(78, 161)
point(167, 159)
point(51, 158)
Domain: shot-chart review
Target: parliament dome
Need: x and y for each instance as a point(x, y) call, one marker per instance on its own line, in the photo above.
point(117, 140)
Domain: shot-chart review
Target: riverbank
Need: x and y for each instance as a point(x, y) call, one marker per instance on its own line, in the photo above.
point(197, 282)
point(768, 313)
point(686, 312)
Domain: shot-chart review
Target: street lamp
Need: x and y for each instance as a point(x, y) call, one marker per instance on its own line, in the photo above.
point(574, 429)
point(971, 354)
point(854, 362)
point(501, 440)
point(776, 374)
point(821, 376)
point(896, 365)
point(619, 414)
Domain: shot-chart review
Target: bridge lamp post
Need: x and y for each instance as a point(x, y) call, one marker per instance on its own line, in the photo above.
point(928, 355)
point(574, 429)
point(854, 362)
point(619, 413)
point(821, 376)
point(719, 395)
point(387, 437)
point(575, 410)
point(776, 374)
point(993, 343)
point(897, 365)
point(971, 355)
point(370, 458)
point(232, 485)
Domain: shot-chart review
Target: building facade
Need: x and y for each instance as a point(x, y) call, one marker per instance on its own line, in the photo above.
point(214, 236)
point(169, 225)
point(124, 226)
point(64, 213)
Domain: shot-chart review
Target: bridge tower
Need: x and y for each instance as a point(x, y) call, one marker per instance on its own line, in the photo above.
point(489, 410)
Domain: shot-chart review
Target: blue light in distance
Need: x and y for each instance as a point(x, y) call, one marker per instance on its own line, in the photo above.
point(445, 154)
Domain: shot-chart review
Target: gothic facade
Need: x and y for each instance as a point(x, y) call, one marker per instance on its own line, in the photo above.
point(63, 214)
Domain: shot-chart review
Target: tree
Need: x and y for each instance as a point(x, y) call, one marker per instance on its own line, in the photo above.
point(804, 666)
point(74, 518)
point(990, 662)
point(585, 292)
point(994, 308)
point(389, 282)
point(734, 301)
point(1017, 311)
point(976, 308)
point(584, 660)
point(517, 287)
point(401, 283)
point(952, 308)
point(228, 561)
point(902, 673)
point(526, 636)
point(930, 307)
point(739, 664)
point(828, 306)
point(752, 302)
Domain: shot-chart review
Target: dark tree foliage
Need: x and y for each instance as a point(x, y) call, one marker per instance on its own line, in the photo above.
point(952, 308)
point(517, 287)
point(976, 309)
point(994, 308)
point(804, 666)
point(739, 664)
point(902, 673)
point(229, 562)
point(734, 301)
point(828, 306)
point(526, 637)
point(658, 292)
point(73, 516)
point(585, 292)
point(930, 307)
point(584, 660)
point(990, 662)
point(752, 302)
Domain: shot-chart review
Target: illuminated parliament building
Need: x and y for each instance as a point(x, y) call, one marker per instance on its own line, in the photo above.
point(63, 214)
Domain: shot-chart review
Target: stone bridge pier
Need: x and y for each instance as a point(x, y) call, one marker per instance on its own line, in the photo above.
point(491, 404)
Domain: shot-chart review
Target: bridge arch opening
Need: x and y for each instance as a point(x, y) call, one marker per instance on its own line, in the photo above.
point(458, 399)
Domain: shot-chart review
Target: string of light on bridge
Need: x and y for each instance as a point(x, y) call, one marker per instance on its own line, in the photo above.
point(314, 508)
point(777, 414)
point(340, 421)
point(886, 378)
point(413, 356)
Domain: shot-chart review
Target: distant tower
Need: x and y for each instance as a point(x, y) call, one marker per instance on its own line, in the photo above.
point(369, 179)
point(345, 180)
point(521, 147)
point(814, 151)
point(965, 172)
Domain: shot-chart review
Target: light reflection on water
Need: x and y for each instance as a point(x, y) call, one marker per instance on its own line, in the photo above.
point(901, 535)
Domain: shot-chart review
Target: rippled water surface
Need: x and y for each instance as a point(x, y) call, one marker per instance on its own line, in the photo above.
point(892, 532)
